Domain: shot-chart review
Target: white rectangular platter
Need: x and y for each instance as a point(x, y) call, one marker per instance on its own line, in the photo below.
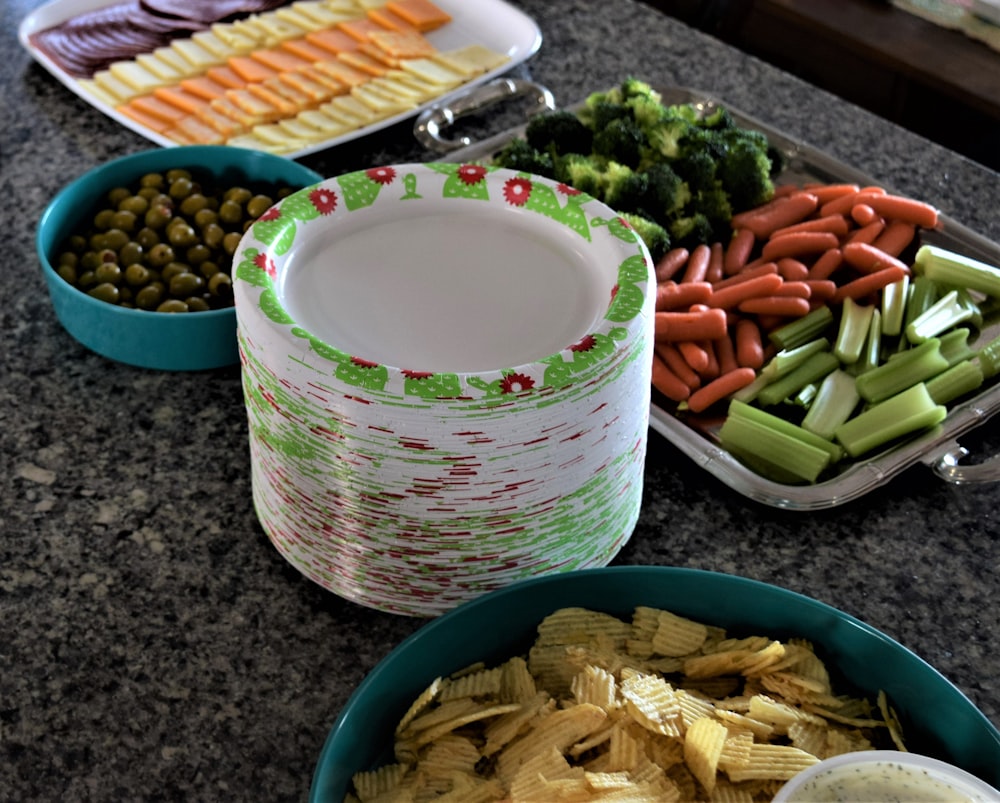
point(493, 24)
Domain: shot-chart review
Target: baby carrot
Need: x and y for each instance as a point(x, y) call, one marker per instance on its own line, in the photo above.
point(670, 263)
point(869, 283)
point(866, 257)
point(673, 296)
point(799, 244)
point(825, 265)
point(694, 355)
point(863, 214)
point(667, 382)
point(821, 289)
point(747, 273)
point(895, 237)
point(909, 210)
point(827, 192)
point(789, 306)
point(675, 361)
point(843, 204)
point(732, 295)
point(834, 223)
point(697, 264)
point(749, 344)
point(725, 354)
point(796, 289)
point(679, 326)
point(867, 233)
point(710, 371)
point(778, 213)
point(716, 259)
point(738, 251)
point(720, 388)
point(792, 270)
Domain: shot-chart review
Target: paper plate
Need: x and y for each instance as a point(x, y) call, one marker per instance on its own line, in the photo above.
point(446, 371)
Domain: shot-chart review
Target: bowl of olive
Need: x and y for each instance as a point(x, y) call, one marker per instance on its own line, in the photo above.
point(136, 253)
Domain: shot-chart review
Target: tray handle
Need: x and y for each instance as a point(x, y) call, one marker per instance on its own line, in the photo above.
point(948, 467)
point(432, 121)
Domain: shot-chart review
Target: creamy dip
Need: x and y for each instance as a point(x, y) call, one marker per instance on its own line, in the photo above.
point(882, 782)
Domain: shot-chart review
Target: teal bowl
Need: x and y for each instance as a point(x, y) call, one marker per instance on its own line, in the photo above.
point(162, 341)
point(938, 720)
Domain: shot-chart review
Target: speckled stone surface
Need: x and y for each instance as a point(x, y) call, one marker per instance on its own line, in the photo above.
point(154, 646)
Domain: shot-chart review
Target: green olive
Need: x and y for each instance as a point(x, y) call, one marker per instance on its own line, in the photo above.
point(197, 304)
point(131, 253)
point(172, 269)
point(230, 212)
point(147, 238)
point(135, 204)
point(186, 284)
point(181, 233)
point(221, 285)
point(68, 258)
point(137, 275)
point(102, 220)
point(68, 272)
point(212, 235)
point(231, 242)
point(160, 254)
point(193, 204)
point(258, 205)
point(149, 193)
point(206, 217)
point(154, 180)
point(239, 195)
point(180, 187)
point(208, 269)
point(108, 273)
point(175, 173)
point(86, 280)
point(90, 260)
point(105, 292)
point(173, 305)
point(150, 296)
point(158, 216)
point(124, 220)
point(117, 195)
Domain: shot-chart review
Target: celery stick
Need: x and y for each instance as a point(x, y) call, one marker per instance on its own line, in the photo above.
point(854, 322)
point(894, 298)
point(955, 345)
point(943, 314)
point(988, 357)
point(812, 370)
point(778, 424)
point(787, 360)
point(772, 454)
point(923, 293)
point(901, 371)
point(804, 398)
point(966, 300)
point(872, 351)
point(749, 392)
point(907, 412)
point(961, 378)
point(835, 401)
point(802, 330)
point(957, 270)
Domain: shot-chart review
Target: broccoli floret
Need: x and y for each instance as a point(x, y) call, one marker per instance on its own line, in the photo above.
point(713, 202)
point(697, 168)
point(519, 155)
point(560, 130)
point(719, 118)
point(624, 189)
point(709, 142)
point(656, 238)
point(745, 173)
point(690, 230)
point(581, 172)
point(666, 193)
point(632, 88)
point(620, 140)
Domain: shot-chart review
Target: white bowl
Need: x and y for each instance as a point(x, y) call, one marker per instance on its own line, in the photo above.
point(884, 775)
point(447, 373)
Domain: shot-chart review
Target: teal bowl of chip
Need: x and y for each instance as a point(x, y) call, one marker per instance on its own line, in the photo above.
point(187, 341)
point(937, 719)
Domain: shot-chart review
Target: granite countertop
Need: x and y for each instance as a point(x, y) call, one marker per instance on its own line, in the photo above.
point(155, 646)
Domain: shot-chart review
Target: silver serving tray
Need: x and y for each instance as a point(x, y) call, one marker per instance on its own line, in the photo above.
point(697, 436)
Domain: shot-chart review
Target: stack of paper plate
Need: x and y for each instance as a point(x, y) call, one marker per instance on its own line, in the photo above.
point(446, 371)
